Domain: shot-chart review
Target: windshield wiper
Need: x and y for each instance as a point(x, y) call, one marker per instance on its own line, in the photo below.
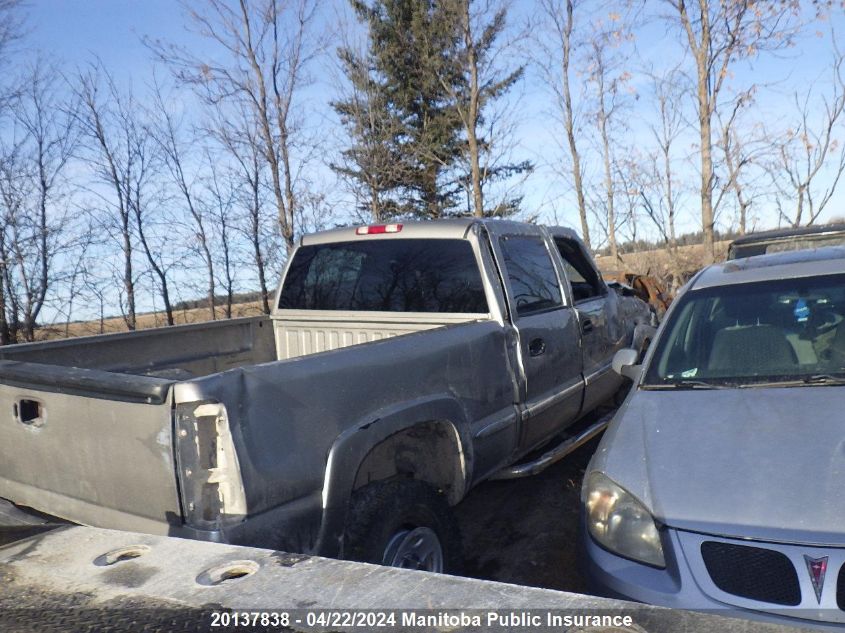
point(687, 384)
point(812, 380)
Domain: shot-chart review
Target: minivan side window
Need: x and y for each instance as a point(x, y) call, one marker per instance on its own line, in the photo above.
point(583, 278)
point(531, 274)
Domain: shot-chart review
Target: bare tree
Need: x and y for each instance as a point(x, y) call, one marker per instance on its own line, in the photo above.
point(629, 174)
point(168, 134)
point(810, 148)
point(268, 44)
point(608, 82)
point(604, 97)
point(35, 224)
point(76, 282)
point(660, 188)
point(148, 163)
point(221, 197)
point(666, 132)
point(746, 149)
point(719, 33)
point(12, 200)
point(11, 26)
point(117, 152)
point(239, 136)
point(561, 14)
point(482, 81)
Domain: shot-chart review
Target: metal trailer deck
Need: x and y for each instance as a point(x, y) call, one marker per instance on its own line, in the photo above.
point(72, 578)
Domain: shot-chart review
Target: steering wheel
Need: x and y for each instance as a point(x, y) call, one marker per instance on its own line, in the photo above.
point(826, 320)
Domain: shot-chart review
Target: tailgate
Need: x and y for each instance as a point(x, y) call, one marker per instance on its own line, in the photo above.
point(88, 446)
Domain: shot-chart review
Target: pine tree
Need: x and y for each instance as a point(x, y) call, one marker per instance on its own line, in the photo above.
point(480, 84)
point(410, 57)
point(415, 112)
point(371, 163)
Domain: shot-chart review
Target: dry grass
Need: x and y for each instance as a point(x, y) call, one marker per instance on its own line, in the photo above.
point(657, 263)
point(144, 321)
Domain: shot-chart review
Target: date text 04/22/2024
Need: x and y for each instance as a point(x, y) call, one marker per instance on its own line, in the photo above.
point(410, 619)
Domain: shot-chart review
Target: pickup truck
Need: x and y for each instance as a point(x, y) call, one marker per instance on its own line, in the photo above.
point(401, 365)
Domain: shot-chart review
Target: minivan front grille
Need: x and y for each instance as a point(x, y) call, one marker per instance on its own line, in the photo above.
point(755, 573)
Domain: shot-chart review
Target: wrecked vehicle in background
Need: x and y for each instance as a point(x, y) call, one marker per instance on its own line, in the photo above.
point(791, 239)
point(402, 365)
point(644, 287)
point(718, 483)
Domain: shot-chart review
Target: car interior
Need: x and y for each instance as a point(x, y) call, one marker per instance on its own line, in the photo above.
point(768, 331)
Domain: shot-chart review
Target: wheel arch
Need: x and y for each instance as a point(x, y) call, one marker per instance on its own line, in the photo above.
point(367, 452)
point(429, 451)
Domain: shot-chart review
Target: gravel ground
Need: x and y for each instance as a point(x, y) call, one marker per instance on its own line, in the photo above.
point(525, 531)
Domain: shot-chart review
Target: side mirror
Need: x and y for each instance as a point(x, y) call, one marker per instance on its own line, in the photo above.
point(625, 363)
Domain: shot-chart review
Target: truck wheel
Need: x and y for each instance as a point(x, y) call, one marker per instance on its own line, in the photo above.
point(403, 523)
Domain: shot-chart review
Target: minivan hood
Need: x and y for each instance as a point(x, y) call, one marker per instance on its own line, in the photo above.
point(762, 463)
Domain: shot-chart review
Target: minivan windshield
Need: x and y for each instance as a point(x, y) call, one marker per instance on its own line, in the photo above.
point(770, 333)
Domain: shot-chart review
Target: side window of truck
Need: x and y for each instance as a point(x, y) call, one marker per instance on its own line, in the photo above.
point(531, 274)
point(583, 277)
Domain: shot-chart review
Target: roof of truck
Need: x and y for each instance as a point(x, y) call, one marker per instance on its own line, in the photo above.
point(452, 228)
point(792, 264)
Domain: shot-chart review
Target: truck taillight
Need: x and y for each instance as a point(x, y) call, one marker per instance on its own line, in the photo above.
point(209, 474)
point(375, 229)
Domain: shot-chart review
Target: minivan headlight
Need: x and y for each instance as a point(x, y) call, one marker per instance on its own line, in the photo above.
point(620, 523)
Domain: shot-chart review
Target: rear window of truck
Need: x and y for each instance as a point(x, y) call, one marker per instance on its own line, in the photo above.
point(408, 275)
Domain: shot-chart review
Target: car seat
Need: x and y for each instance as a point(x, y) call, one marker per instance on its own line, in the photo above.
point(835, 354)
point(745, 345)
point(745, 350)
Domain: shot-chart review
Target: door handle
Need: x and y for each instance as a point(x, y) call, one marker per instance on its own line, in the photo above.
point(537, 347)
point(587, 326)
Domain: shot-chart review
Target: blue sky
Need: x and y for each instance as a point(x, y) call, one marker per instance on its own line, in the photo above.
point(72, 31)
point(112, 29)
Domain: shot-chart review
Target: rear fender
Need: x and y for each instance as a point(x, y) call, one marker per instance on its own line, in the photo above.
point(353, 446)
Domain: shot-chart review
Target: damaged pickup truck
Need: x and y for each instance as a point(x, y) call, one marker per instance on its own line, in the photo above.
point(402, 364)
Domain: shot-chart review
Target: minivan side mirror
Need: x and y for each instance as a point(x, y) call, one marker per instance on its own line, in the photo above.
point(625, 363)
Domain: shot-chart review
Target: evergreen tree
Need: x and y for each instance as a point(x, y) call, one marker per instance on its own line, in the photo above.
point(372, 162)
point(481, 82)
point(415, 109)
point(410, 59)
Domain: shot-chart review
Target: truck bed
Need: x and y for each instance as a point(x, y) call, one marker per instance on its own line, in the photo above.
point(175, 353)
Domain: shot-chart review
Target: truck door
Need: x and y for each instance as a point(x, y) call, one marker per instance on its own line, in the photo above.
point(547, 332)
point(601, 329)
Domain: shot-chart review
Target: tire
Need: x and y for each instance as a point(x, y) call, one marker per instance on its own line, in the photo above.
point(397, 522)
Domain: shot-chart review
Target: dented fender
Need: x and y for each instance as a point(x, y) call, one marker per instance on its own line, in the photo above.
point(353, 446)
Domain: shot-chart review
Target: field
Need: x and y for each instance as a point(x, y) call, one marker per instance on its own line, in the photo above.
point(143, 321)
point(657, 263)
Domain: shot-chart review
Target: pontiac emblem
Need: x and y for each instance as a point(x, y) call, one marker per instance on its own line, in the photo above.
point(817, 568)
